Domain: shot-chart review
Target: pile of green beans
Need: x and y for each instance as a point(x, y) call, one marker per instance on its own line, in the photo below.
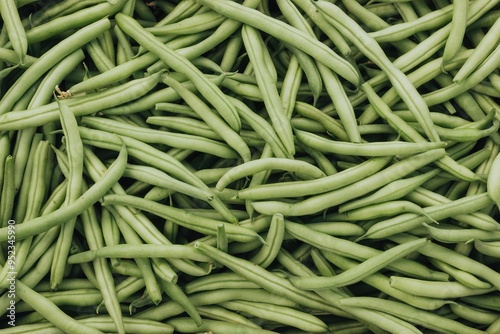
point(250, 166)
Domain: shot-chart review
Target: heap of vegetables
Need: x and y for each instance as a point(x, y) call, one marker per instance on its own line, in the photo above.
point(256, 166)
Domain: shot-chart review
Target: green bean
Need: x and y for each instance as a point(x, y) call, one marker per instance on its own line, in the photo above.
point(365, 149)
point(212, 297)
point(477, 219)
point(481, 72)
point(219, 313)
point(262, 127)
point(458, 27)
point(399, 31)
point(49, 59)
point(407, 221)
point(143, 264)
point(8, 191)
point(286, 33)
point(104, 276)
point(183, 217)
point(280, 314)
point(51, 311)
point(408, 313)
point(137, 251)
point(473, 314)
point(74, 149)
point(95, 192)
point(214, 121)
point(79, 105)
point(450, 234)
point(308, 66)
point(482, 50)
point(372, 49)
point(391, 324)
point(311, 187)
point(353, 250)
point(455, 259)
point(186, 325)
point(180, 64)
point(274, 240)
point(252, 41)
point(256, 166)
point(189, 25)
point(140, 223)
point(161, 179)
point(491, 248)
point(12, 21)
point(332, 33)
point(492, 184)
point(222, 280)
point(24, 160)
point(461, 276)
point(265, 279)
point(178, 296)
point(161, 137)
point(335, 197)
point(381, 282)
point(384, 209)
point(179, 12)
point(392, 191)
point(331, 125)
point(362, 270)
point(435, 289)
point(37, 190)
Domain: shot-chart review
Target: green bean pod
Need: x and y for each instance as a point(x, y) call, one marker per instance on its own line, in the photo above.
point(361, 271)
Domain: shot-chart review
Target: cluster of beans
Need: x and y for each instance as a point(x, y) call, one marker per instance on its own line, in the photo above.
point(256, 166)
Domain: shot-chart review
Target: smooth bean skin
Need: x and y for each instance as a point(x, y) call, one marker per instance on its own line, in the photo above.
point(311, 187)
point(256, 166)
point(91, 196)
point(361, 271)
point(323, 201)
point(183, 217)
point(364, 149)
point(287, 33)
point(49, 59)
point(180, 64)
point(411, 314)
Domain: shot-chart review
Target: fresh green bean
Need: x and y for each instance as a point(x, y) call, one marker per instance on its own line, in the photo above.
point(280, 314)
point(265, 279)
point(407, 221)
point(420, 317)
point(183, 217)
point(335, 197)
point(214, 121)
point(137, 251)
point(180, 64)
point(457, 30)
point(94, 193)
point(51, 311)
point(311, 187)
point(287, 33)
point(12, 21)
point(49, 59)
point(364, 149)
point(189, 25)
point(467, 279)
point(361, 271)
point(372, 49)
point(453, 258)
point(381, 282)
point(435, 289)
point(256, 166)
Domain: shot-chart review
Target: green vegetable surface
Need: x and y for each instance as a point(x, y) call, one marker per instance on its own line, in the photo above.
point(249, 166)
